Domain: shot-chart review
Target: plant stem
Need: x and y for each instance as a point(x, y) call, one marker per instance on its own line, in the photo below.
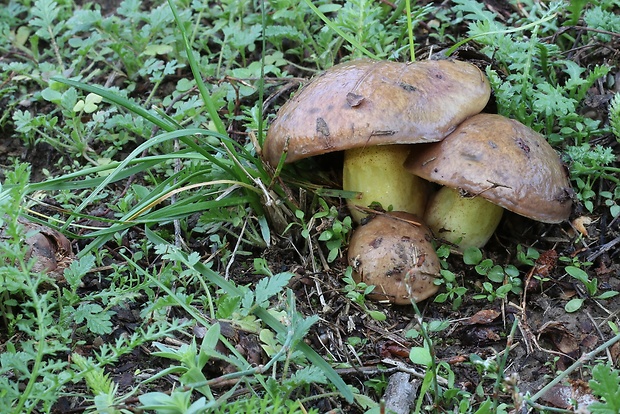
point(410, 31)
point(34, 374)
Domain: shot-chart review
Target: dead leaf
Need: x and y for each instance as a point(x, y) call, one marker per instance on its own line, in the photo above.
point(545, 263)
point(392, 349)
point(50, 249)
point(457, 359)
point(563, 396)
point(564, 340)
point(479, 334)
point(580, 224)
point(483, 317)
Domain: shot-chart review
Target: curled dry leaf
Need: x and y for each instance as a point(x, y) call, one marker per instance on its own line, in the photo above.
point(545, 263)
point(564, 396)
point(391, 349)
point(50, 249)
point(580, 224)
point(564, 340)
point(482, 317)
point(480, 334)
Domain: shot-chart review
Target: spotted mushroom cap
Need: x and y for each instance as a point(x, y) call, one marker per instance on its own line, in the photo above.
point(393, 252)
point(503, 161)
point(366, 102)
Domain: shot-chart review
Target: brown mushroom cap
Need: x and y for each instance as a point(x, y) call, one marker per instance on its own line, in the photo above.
point(395, 255)
point(503, 161)
point(366, 103)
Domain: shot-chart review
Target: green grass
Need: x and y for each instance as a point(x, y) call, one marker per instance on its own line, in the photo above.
point(153, 119)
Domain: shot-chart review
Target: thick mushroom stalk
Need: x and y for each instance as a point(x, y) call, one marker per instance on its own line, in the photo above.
point(377, 173)
point(393, 252)
point(466, 221)
point(494, 158)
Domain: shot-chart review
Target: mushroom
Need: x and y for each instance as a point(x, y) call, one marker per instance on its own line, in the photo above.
point(363, 107)
point(490, 163)
point(393, 252)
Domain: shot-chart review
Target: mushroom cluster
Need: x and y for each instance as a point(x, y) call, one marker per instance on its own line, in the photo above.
point(375, 111)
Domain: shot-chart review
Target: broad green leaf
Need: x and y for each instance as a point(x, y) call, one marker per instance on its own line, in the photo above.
point(472, 256)
point(377, 315)
point(573, 305)
point(420, 355)
point(607, 295)
point(577, 273)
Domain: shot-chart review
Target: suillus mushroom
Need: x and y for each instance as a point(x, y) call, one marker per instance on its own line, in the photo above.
point(393, 252)
point(490, 163)
point(365, 106)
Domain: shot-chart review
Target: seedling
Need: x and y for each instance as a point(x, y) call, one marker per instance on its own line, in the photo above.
point(453, 291)
point(357, 292)
point(591, 286)
point(507, 276)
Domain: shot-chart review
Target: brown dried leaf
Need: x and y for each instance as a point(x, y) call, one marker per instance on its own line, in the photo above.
point(580, 224)
point(564, 340)
point(483, 317)
point(545, 263)
point(563, 396)
point(392, 349)
point(50, 249)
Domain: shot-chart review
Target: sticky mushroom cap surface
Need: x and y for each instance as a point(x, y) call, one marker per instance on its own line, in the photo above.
point(393, 253)
point(366, 102)
point(503, 161)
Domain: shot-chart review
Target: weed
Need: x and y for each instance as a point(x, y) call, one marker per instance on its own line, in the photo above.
point(591, 286)
point(506, 276)
point(614, 116)
point(605, 384)
point(454, 292)
point(331, 230)
point(527, 255)
point(362, 19)
point(357, 292)
point(588, 165)
point(439, 379)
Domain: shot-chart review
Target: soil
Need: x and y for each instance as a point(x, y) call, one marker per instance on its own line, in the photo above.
point(545, 338)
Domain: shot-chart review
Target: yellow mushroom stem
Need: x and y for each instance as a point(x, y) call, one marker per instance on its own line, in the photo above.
point(378, 174)
point(464, 221)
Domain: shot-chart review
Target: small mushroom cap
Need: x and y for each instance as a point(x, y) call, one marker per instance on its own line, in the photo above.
point(366, 103)
point(503, 161)
point(395, 254)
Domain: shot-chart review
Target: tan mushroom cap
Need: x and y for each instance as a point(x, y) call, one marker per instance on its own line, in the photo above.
point(366, 103)
point(394, 254)
point(503, 161)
